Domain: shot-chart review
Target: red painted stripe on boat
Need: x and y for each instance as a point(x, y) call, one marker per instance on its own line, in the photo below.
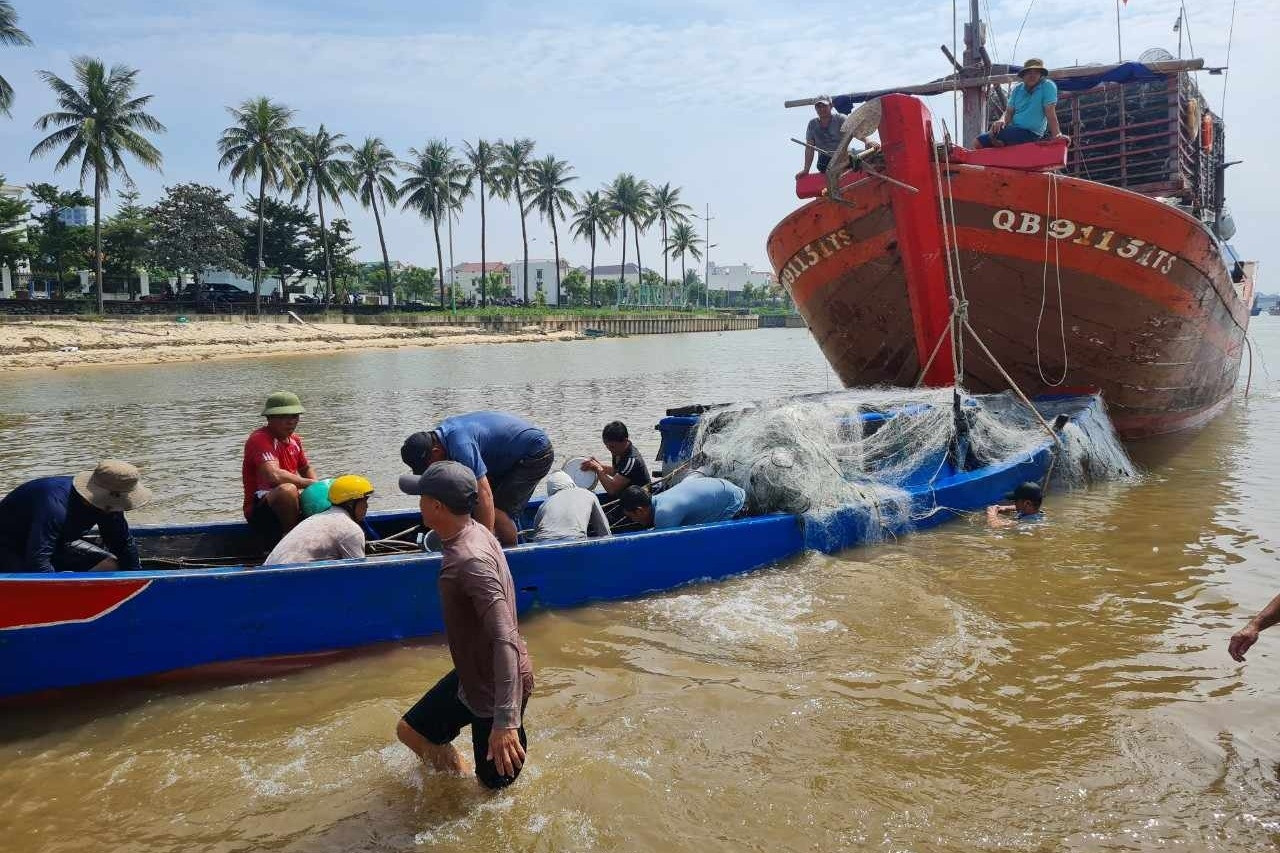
point(38, 603)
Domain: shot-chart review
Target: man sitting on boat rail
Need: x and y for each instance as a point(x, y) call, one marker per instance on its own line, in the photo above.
point(628, 468)
point(1032, 110)
point(337, 533)
point(822, 135)
point(275, 470)
point(508, 455)
point(694, 500)
point(42, 521)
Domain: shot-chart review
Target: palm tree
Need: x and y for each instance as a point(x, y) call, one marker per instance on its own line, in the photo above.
point(483, 160)
point(625, 197)
point(323, 167)
point(548, 182)
point(515, 159)
point(373, 166)
point(9, 34)
point(684, 240)
point(261, 144)
point(667, 207)
point(593, 219)
point(99, 121)
point(641, 219)
point(435, 186)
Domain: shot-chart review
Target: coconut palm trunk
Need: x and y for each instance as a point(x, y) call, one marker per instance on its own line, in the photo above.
point(524, 234)
point(435, 224)
point(257, 270)
point(622, 270)
point(635, 230)
point(324, 245)
point(592, 286)
point(386, 262)
point(555, 239)
point(97, 235)
point(484, 266)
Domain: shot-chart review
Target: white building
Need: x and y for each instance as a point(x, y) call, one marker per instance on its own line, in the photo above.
point(732, 278)
point(466, 277)
point(82, 216)
point(8, 276)
point(542, 279)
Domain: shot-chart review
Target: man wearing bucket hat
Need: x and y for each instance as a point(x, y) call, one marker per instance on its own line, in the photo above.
point(335, 533)
point(492, 677)
point(275, 470)
point(1032, 110)
point(42, 521)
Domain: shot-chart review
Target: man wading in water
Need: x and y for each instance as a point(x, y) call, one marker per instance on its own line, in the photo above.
point(492, 677)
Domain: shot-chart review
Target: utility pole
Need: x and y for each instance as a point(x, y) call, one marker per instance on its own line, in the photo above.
point(706, 242)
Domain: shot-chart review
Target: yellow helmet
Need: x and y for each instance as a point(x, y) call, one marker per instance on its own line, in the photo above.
point(349, 487)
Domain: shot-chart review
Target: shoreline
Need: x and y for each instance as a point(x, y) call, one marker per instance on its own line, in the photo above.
point(52, 345)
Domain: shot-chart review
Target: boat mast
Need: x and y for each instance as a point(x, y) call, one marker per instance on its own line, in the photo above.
point(976, 64)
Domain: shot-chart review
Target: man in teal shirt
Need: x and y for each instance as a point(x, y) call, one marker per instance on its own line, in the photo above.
point(1032, 110)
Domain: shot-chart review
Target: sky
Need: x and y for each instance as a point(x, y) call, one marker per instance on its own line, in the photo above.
point(689, 92)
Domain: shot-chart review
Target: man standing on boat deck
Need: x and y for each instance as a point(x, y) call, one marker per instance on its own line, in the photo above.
point(275, 470)
point(508, 456)
point(694, 500)
point(1032, 110)
point(42, 521)
point(337, 533)
point(492, 678)
point(628, 468)
point(822, 135)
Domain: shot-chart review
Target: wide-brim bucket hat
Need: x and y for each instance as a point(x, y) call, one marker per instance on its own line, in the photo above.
point(1033, 65)
point(113, 486)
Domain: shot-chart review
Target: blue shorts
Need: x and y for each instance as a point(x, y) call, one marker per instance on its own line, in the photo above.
point(1010, 135)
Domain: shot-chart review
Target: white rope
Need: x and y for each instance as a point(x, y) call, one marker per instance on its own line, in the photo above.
point(1226, 73)
point(1051, 215)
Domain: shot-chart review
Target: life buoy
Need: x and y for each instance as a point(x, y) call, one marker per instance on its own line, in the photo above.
point(1206, 132)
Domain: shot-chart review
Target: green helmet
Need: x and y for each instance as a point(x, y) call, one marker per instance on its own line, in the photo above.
point(283, 403)
point(315, 498)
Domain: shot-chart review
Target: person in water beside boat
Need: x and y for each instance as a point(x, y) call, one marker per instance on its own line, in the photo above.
point(628, 468)
point(1243, 640)
point(1026, 501)
point(570, 512)
point(694, 500)
point(492, 678)
point(42, 521)
point(508, 456)
point(822, 136)
point(1031, 112)
point(336, 533)
point(275, 470)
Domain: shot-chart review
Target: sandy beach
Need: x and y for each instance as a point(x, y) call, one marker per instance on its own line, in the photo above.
point(75, 343)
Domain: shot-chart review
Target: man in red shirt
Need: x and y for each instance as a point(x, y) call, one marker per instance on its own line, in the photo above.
point(275, 470)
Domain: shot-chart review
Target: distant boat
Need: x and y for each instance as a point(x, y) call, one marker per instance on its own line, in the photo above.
point(1104, 265)
point(68, 629)
point(1274, 310)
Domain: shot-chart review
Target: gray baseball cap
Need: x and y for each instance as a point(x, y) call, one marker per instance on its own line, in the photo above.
point(449, 482)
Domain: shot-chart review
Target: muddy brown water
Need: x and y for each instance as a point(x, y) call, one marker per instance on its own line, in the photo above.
point(1064, 687)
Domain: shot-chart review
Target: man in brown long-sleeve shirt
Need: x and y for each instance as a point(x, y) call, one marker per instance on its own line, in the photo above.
point(492, 677)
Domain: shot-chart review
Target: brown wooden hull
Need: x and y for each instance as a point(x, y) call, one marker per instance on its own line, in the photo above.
point(1071, 284)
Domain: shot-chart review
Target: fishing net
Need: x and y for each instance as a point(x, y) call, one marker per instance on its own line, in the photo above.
point(872, 447)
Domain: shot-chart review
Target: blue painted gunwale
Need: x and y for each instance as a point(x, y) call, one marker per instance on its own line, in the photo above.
point(190, 617)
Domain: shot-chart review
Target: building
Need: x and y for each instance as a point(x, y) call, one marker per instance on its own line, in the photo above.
point(309, 286)
point(613, 271)
point(542, 279)
point(9, 278)
point(731, 279)
point(466, 277)
point(82, 216)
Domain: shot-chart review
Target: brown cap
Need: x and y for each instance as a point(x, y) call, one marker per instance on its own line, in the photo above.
point(112, 487)
point(1033, 65)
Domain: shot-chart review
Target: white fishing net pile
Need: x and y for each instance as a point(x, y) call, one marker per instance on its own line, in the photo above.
point(815, 454)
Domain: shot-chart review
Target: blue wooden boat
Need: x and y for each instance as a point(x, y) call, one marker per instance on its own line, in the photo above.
point(65, 630)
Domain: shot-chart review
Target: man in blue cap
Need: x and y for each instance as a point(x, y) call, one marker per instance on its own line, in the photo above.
point(508, 456)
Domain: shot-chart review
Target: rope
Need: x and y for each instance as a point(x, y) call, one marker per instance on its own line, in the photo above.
point(1013, 385)
point(1014, 53)
point(1249, 377)
point(1051, 214)
point(1226, 74)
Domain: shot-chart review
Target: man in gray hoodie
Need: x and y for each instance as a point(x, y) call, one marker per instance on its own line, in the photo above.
point(569, 512)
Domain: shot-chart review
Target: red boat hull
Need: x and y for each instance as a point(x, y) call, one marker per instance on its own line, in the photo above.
point(1071, 284)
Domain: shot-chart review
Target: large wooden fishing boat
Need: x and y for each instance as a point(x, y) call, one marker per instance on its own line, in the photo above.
point(1102, 264)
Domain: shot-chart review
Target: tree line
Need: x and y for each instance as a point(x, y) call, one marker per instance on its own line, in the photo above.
point(101, 122)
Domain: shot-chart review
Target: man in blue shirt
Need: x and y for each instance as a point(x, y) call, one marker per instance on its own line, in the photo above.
point(42, 521)
point(1032, 110)
point(694, 500)
point(1027, 499)
point(508, 455)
